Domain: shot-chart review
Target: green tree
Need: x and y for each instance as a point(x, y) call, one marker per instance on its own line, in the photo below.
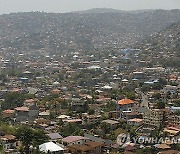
point(162, 81)
point(25, 135)
point(12, 100)
point(157, 96)
point(1, 149)
point(7, 129)
point(70, 129)
point(131, 95)
point(64, 104)
point(52, 115)
point(145, 88)
point(150, 150)
point(177, 103)
point(91, 111)
point(157, 86)
point(105, 127)
point(155, 133)
point(110, 106)
point(176, 147)
point(29, 136)
point(39, 137)
point(161, 105)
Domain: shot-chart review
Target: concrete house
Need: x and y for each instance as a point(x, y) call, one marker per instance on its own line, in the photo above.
point(112, 123)
point(54, 137)
point(89, 147)
point(9, 142)
point(71, 140)
point(171, 89)
point(154, 117)
point(23, 114)
point(174, 121)
point(90, 119)
point(33, 112)
point(77, 104)
point(135, 122)
point(125, 105)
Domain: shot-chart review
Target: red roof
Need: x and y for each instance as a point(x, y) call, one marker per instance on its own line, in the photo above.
point(70, 139)
point(130, 148)
point(125, 101)
point(30, 100)
point(22, 109)
point(8, 111)
point(73, 120)
point(8, 137)
point(16, 90)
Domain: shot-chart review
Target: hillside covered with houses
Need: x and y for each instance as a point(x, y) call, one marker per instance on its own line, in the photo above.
point(67, 98)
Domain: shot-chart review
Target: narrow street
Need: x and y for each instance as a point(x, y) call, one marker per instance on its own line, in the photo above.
point(144, 98)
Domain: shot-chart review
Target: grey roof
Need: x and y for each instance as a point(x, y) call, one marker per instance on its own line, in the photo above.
point(142, 109)
point(93, 138)
point(111, 121)
point(97, 139)
point(33, 107)
point(54, 136)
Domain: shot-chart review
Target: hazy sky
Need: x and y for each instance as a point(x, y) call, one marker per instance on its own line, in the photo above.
point(8, 6)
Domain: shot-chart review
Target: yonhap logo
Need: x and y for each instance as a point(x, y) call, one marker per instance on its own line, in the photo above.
point(123, 138)
point(126, 138)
